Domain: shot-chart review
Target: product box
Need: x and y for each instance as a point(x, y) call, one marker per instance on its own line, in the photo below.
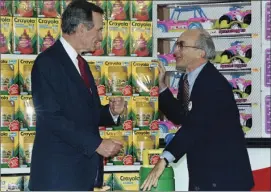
point(49, 30)
point(96, 70)
point(26, 182)
point(108, 183)
point(103, 5)
point(9, 117)
point(25, 68)
point(5, 34)
point(27, 114)
point(151, 156)
point(25, 35)
point(142, 140)
point(24, 8)
point(9, 77)
point(126, 181)
point(118, 42)
point(49, 8)
point(64, 4)
point(9, 149)
point(124, 157)
point(118, 10)
point(125, 117)
point(145, 78)
point(141, 10)
point(6, 8)
point(11, 183)
point(117, 78)
point(26, 142)
point(141, 39)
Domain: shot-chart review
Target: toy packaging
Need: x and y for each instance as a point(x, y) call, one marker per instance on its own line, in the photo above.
point(167, 127)
point(9, 77)
point(145, 113)
point(126, 181)
point(95, 67)
point(151, 156)
point(125, 117)
point(26, 182)
point(5, 8)
point(108, 183)
point(145, 78)
point(5, 34)
point(64, 4)
point(118, 38)
point(141, 39)
point(49, 30)
point(49, 8)
point(172, 81)
point(27, 113)
point(141, 10)
point(9, 108)
point(124, 157)
point(25, 8)
point(9, 149)
point(118, 10)
point(25, 35)
point(25, 68)
point(117, 78)
point(26, 142)
point(143, 140)
point(12, 183)
point(103, 5)
point(245, 117)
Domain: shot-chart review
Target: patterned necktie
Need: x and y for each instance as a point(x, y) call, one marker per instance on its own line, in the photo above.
point(185, 93)
point(82, 68)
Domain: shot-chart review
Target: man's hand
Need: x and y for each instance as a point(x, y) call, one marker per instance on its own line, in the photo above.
point(109, 147)
point(116, 105)
point(152, 179)
point(162, 75)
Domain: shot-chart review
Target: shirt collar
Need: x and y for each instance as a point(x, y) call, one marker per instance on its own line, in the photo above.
point(69, 49)
point(191, 76)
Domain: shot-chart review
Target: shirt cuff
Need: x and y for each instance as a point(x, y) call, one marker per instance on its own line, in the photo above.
point(114, 117)
point(168, 156)
point(162, 90)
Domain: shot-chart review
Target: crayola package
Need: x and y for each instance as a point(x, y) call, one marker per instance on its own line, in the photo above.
point(117, 78)
point(27, 113)
point(5, 34)
point(26, 182)
point(25, 35)
point(118, 10)
point(25, 8)
point(144, 140)
point(145, 113)
point(118, 42)
point(49, 30)
point(26, 141)
point(9, 108)
point(6, 8)
point(125, 117)
point(141, 10)
point(95, 67)
point(12, 183)
point(141, 39)
point(126, 181)
point(64, 4)
point(9, 149)
point(103, 5)
point(25, 68)
point(108, 183)
point(124, 157)
point(145, 78)
point(49, 8)
point(9, 77)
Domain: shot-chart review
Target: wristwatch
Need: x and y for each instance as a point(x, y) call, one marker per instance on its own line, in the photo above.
point(162, 157)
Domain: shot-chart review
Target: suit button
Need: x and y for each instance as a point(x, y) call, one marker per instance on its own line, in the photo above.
point(214, 184)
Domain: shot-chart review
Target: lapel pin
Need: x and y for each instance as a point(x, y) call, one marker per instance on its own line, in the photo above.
point(189, 105)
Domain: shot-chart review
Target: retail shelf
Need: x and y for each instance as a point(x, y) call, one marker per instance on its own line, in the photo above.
point(7, 171)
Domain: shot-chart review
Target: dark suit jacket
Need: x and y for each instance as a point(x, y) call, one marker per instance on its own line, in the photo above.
point(211, 134)
point(68, 117)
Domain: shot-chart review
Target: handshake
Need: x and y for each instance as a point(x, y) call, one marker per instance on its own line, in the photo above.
point(109, 147)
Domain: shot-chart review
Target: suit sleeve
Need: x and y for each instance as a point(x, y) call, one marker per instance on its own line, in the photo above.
point(50, 112)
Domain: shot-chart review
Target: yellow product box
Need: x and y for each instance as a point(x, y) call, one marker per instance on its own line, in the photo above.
point(118, 10)
point(26, 182)
point(143, 140)
point(25, 68)
point(49, 8)
point(125, 117)
point(9, 116)
point(5, 34)
point(108, 183)
point(64, 4)
point(9, 149)
point(118, 42)
point(9, 77)
point(103, 5)
point(12, 183)
point(6, 8)
point(151, 156)
point(96, 70)
point(145, 78)
point(124, 157)
point(49, 30)
point(145, 113)
point(24, 8)
point(117, 78)
point(25, 35)
point(27, 113)
point(141, 39)
point(26, 142)
point(126, 181)
point(141, 10)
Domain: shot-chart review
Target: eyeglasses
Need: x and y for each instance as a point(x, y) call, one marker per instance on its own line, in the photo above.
point(180, 45)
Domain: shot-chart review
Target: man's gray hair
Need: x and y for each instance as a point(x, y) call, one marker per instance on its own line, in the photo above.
point(205, 42)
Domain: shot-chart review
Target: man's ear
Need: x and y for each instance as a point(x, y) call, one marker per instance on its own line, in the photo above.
point(202, 53)
point(80, 28)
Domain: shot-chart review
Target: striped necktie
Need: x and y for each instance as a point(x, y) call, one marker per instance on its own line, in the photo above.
point(185, 93)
